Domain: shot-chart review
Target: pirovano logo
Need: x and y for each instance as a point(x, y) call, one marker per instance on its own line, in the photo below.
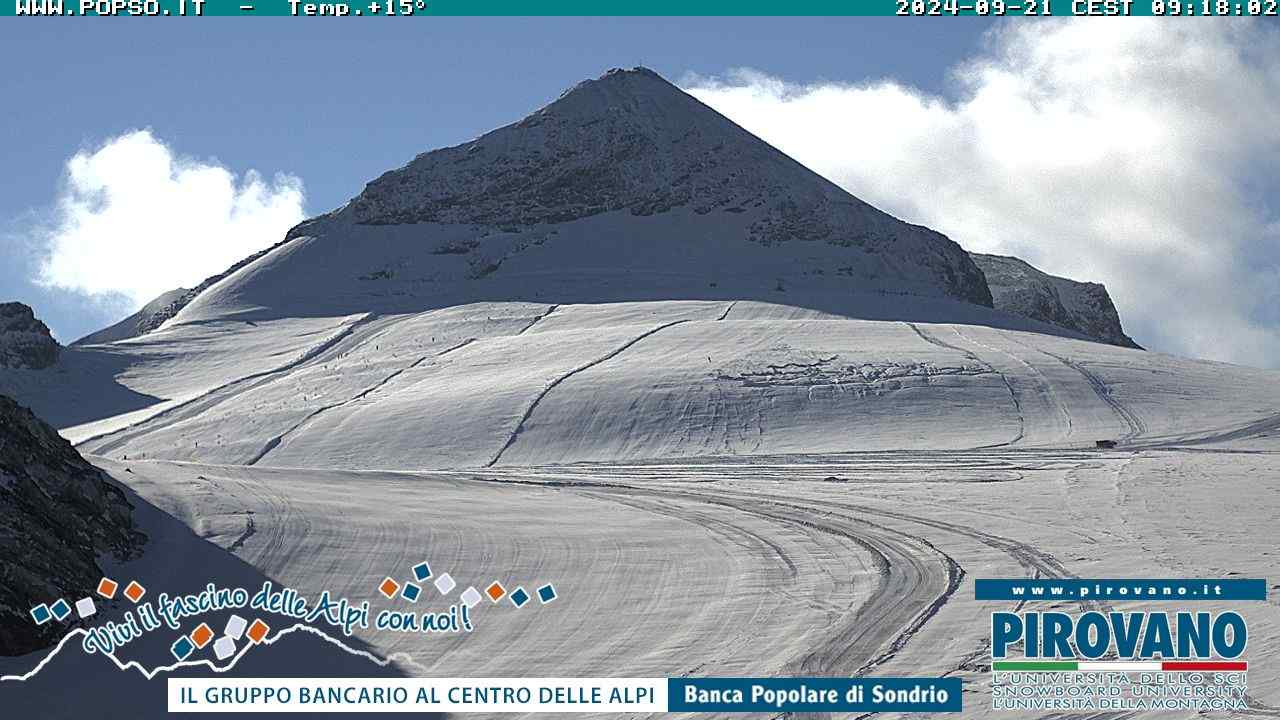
point(1104, 658)
point(1060, 636)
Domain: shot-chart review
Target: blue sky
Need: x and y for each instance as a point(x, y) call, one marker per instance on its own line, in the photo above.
point(339, 102)
point(1135, 153)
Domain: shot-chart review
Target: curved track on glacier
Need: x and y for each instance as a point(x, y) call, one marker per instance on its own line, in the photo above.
point(770, 583)
point(841, 586)
point(749, 560)
point(816, 565)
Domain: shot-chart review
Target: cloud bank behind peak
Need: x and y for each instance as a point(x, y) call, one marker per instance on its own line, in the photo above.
point(135, 219)
point(1139, 154)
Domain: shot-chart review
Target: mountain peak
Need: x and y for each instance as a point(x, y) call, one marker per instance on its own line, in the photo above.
point(622, 78)
point(627, 140)
point(637, 100)
point(624, 187)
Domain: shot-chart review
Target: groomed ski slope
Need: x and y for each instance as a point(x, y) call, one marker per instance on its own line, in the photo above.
point(815, 565)
point(496, 384)
point(716, 487)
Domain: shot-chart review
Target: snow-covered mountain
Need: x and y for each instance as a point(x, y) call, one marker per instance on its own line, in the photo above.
point(1019, 288)
point(625, 188)
point(624, 274)
point(748, 426)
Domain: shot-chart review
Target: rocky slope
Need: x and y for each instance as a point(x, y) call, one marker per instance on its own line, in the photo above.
point(624, 188)
point(57, 514)
point(631, 142)
point(148, 318)
point(25, 342)
point(1022, 289)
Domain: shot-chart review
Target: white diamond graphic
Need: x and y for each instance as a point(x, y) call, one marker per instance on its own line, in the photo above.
point(224, 648)
point(86, 607)
point(445, 583)
point(235, 627)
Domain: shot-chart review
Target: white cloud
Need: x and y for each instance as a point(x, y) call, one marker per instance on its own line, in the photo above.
point(1137, 153)
point(135, 220)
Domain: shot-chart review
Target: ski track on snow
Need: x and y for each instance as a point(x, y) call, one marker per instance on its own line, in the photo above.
point(524, 419)
point(274, 442)
point(167, 416)
point(1013, 396)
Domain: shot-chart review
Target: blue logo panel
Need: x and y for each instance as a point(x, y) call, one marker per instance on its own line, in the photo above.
point(787, 695)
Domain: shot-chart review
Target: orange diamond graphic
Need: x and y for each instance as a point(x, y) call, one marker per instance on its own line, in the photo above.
point(107, 587)
point(135, 591)
point(258, 630)
point(389, 588)
point(495, 591)
point(201, 635)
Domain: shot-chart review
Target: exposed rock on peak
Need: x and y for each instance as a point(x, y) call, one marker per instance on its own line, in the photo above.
point(25, 342)
point(1020, 288)
point(631, 141)
point(57, 514)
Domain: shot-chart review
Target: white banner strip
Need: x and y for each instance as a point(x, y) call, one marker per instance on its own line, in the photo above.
point(412, 695)
point(1117, 666)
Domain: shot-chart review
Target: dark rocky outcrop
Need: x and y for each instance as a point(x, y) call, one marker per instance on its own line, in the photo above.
point(25, 342)
point(1019, 288)
point(58, 513)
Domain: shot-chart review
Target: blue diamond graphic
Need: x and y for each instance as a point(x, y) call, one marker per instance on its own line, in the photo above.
point(411, 592)
point(41, 614)
point(182, 648)
point(519, 597)
point(60, 609)
point(422, 571)
point(546, 593)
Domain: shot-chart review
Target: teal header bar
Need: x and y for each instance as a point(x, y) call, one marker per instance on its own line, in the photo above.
point(43, 9)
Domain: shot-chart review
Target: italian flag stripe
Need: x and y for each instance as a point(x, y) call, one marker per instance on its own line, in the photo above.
point(1117, 665)
point(1204, 666)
